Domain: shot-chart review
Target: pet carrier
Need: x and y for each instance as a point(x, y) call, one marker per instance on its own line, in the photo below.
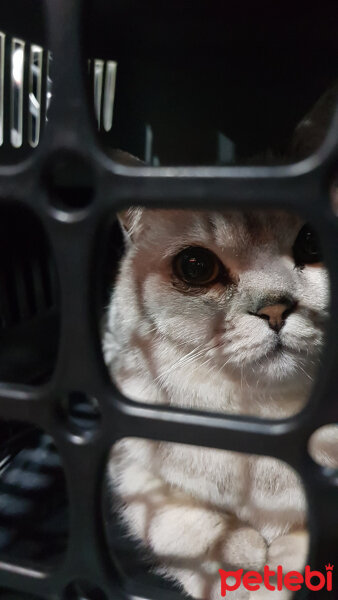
point(206, 86)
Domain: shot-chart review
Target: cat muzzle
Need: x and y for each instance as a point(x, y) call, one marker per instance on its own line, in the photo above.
point(276, 314)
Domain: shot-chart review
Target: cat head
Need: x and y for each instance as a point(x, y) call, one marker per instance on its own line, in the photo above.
point(245, 291)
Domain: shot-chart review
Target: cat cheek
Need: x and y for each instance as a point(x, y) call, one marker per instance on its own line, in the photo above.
point(315, 288)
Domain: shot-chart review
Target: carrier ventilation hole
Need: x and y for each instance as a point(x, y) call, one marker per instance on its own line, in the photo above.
point(81, 413)
point(70, 182)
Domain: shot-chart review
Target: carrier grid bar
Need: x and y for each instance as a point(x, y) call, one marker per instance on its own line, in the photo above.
point(76, 238)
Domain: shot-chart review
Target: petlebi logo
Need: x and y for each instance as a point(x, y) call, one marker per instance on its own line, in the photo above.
point(291, 580)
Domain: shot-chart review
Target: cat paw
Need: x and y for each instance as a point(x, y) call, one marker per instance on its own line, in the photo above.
point(290, 551)
point(208, 587)
point(185, 531)
point(215, 592)
point(264, 594)
point(244, 547)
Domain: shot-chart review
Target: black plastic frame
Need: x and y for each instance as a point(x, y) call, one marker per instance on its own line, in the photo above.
point(73, 236)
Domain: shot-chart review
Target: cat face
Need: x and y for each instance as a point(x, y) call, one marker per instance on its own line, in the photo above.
point(245, 292)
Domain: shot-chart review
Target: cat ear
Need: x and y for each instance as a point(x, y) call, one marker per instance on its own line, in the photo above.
point(130, 219)
point(312, 129)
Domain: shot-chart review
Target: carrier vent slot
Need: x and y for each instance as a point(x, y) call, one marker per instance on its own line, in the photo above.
point(26, 82)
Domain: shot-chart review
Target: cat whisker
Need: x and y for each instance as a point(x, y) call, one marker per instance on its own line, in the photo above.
point(304, 372)
point(182, 361)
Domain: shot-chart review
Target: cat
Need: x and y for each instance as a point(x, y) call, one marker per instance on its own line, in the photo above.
point(222, 311)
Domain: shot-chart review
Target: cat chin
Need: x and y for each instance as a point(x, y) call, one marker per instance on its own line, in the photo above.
point(279, 370)
point(282, 369)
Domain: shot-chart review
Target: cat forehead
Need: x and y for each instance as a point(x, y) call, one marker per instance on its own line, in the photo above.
point(252, 227)
point(226, 229)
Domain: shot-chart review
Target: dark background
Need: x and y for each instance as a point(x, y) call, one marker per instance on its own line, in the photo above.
point(192, 70)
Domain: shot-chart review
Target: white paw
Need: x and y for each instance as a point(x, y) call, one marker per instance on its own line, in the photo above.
point(185, 531)
point(264, 594)
point(244, 548)
point(237, 594)
point(290, 551)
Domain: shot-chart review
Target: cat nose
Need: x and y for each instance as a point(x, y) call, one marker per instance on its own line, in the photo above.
point(276, 314)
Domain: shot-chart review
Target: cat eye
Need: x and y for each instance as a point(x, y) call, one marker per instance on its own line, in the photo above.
point(306, 249)
point(196, 266)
